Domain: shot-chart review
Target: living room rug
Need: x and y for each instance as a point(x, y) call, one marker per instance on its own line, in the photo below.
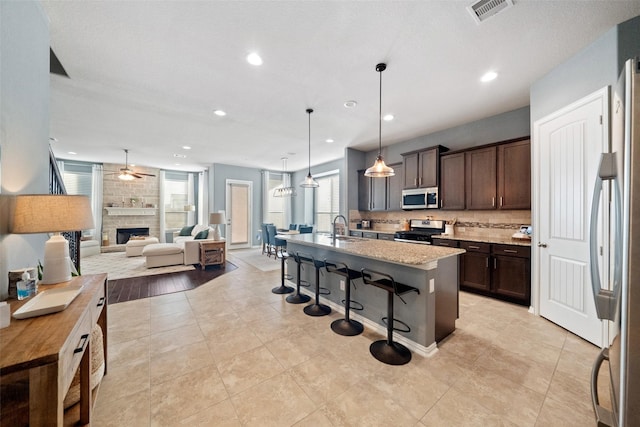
point(132, 288)
point(118, 265)
point(256, 258)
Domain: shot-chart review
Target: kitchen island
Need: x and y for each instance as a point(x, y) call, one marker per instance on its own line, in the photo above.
point(433, 270)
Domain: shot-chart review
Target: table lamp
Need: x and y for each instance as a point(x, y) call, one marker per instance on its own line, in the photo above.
point(216, 219)
point(52, 213)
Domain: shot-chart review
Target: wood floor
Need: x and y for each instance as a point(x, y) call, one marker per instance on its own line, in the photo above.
point(120, 290)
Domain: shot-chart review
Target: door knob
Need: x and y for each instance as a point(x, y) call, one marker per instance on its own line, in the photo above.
point(542, 245)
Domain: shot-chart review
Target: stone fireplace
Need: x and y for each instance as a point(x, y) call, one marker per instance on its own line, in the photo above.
point(130, 204)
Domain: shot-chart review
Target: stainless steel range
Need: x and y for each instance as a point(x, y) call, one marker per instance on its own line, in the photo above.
point(421, 231)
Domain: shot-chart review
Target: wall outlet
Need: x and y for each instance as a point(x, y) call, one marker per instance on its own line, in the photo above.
point(432, 286)
point(342, 285)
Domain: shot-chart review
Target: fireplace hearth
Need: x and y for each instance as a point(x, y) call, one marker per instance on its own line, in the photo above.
point(124, 234)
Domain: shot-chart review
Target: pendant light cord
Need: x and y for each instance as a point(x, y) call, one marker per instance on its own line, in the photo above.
point(309, 111)
point(380, 118)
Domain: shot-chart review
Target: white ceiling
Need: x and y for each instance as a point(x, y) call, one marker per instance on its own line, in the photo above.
point(147, 75)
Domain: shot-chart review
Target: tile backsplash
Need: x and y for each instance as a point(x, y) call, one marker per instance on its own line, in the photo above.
point(471, 223)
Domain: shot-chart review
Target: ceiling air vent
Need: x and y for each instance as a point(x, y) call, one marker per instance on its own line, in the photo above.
point(485, 9)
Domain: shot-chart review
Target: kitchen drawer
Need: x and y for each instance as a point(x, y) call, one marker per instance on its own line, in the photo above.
point(369, 234)
point(484, 248)
point(512, 250)
point(74, 348)
point(98, 303)
point(446, 242)
point(385, 236)
point(355, 233)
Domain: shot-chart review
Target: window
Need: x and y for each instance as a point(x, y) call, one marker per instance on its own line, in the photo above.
point(176, 197)
point(275, 212)
point(78, 180)
point(327, 201)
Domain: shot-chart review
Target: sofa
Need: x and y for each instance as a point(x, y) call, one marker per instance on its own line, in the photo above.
point(185, 248)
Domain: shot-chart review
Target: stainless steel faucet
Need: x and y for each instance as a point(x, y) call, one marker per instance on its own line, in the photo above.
point(335, 233)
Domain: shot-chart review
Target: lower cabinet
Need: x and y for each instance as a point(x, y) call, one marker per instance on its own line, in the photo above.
point(495, 270)
point(355, 233)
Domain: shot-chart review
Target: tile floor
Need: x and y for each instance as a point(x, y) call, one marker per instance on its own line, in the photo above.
point(231, 353)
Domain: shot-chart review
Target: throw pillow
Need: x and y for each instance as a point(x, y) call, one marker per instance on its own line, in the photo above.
point(198, 228)
point(186, 231)
point(202, 235)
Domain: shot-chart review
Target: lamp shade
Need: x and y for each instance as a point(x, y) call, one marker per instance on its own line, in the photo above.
point(217, 218)
point(51, 213)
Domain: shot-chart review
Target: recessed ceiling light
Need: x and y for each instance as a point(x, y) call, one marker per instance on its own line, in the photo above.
point(220, 113)
point(177, 164)
point(487, 77)
point(180, 156)
point(329, 141)
point(72, 152)
point(387, 117)
point(254, 59)
point(291, 153)
point(350, 104)
point(186, 147)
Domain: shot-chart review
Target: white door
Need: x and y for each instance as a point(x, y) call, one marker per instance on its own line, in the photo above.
point(239, 213)
point(567, 148)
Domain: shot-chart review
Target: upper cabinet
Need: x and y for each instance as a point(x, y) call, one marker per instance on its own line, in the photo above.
point(452, 181)
point(491, 177)
point(480, 178)
point(422, 168)
point(514, 175)
point(380, 194)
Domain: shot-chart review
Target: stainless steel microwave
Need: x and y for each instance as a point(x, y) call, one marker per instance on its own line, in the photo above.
point(420, 198)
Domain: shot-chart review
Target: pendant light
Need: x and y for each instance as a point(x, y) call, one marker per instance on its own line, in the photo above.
point(284, 190)
point(309, 182)
point(379, 169)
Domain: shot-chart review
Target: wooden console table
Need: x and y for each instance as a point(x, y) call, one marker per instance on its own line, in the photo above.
point(212, 253)
point(40, 356)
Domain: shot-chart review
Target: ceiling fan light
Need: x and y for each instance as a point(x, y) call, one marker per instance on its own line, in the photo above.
point(125, 177)
point(379, 169)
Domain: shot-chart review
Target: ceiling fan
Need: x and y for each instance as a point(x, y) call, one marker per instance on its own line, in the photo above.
point(127, 174)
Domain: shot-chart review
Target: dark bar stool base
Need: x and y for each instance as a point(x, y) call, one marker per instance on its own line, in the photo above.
point(298, 299)
point(391, 354)
point(317, 310)
point(347, 328)
point(282, 289)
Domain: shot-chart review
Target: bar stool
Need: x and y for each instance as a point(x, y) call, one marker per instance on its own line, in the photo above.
point(282, 289)
point(346, 326)
point(298, 298)
point(389, 351)
point(315, 309)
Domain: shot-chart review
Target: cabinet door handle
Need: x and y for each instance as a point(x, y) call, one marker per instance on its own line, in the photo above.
point(420, 180)
point(474, 247)
point(510, 251)
point(100, 302)
point(84, 339)
point(495, 264)
point(486, 262)
point(415, 182)
point(493, 201)
point(501, 201)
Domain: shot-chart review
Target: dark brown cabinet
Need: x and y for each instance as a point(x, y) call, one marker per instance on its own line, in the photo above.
point(514, 175)
point(474, 266)
point(496, 270)
point(380, 194)
point(394, 188)
point(355, 233)
point(452, 182)
point(511, 274)
point(422, 168)
point(492, 177)
point(372, 193)
point(480, 178)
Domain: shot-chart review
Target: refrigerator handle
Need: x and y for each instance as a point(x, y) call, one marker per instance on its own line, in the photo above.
point(605, 299)
point(604, 417)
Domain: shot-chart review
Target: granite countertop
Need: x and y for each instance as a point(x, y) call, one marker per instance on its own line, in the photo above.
point(421, 256)
point(499, 240)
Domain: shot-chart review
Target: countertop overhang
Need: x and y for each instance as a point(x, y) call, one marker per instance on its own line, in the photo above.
point(411, 254)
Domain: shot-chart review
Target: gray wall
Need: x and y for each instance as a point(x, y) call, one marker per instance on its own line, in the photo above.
point(299, 201)
point(24, 125)
point(593, 68)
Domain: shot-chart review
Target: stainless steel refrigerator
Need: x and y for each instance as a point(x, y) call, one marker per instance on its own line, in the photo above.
point(618, 299)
